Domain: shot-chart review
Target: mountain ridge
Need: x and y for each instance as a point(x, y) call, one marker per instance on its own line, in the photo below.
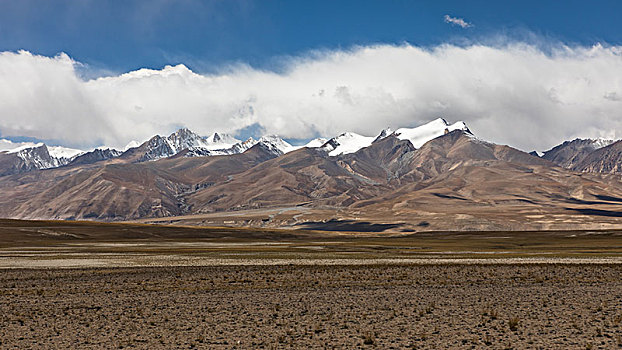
point(452, 180)
point(158, 147)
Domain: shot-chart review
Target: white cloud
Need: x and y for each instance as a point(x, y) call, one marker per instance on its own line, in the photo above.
point(613, 96)
point(457, 21)
point(8, 145)
point(513, 94)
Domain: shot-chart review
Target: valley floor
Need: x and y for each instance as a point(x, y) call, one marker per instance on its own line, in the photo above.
point(93, 285)
point(547, 306)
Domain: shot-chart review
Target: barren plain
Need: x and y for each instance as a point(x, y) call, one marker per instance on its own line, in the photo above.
point(92, 285)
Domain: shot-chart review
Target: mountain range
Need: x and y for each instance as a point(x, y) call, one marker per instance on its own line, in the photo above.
point(437, 176)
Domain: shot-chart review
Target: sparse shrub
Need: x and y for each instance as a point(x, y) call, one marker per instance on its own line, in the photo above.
point(318, 328)
point(369, 339)
point(513, 323)
point(430, 308)
point(493, 314)
point(489, 311)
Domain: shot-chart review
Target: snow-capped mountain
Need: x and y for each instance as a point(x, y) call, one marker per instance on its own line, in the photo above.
point(418, 136)
point(219, 147)
point(219, 141)
point(216, 144)
point(24, 159)
point(276, 145)
point(61, 152)
point(570, 153)
point(184, 139)
point(384, 133)
point(26, 156)
point(21, 157)
point(602, 142)
point(347, 142)
point(315, 143)
point(236, 148)
point(155, 148)
point(131, 144)
point(381, 178)
point(39, 157)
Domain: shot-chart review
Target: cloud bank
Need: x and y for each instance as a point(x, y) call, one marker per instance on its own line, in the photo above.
point(457, 21)
point(513, 94)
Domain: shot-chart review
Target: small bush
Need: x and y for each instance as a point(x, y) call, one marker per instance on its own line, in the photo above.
point(369, 339)
point(513, 323)
point(490, 311)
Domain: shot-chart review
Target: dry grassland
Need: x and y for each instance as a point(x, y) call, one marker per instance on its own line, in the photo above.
point(82, 285)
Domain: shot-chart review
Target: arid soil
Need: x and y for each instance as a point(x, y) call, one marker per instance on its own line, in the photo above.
point(83, 285)
point(546, 306)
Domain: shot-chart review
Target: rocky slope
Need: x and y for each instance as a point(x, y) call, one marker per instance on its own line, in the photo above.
point(603, 160)
point(118, 191)
point(94, 156)
point(570, 153)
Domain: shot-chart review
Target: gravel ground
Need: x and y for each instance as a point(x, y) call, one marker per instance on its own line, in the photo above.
point(536, 306)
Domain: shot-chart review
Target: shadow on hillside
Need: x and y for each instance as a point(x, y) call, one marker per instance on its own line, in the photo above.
point(597, 212)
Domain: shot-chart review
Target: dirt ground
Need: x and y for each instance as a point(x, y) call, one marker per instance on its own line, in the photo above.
point(535, 306)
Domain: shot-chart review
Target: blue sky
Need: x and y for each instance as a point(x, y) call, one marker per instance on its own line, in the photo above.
point(530, 74)
point(121, 36)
